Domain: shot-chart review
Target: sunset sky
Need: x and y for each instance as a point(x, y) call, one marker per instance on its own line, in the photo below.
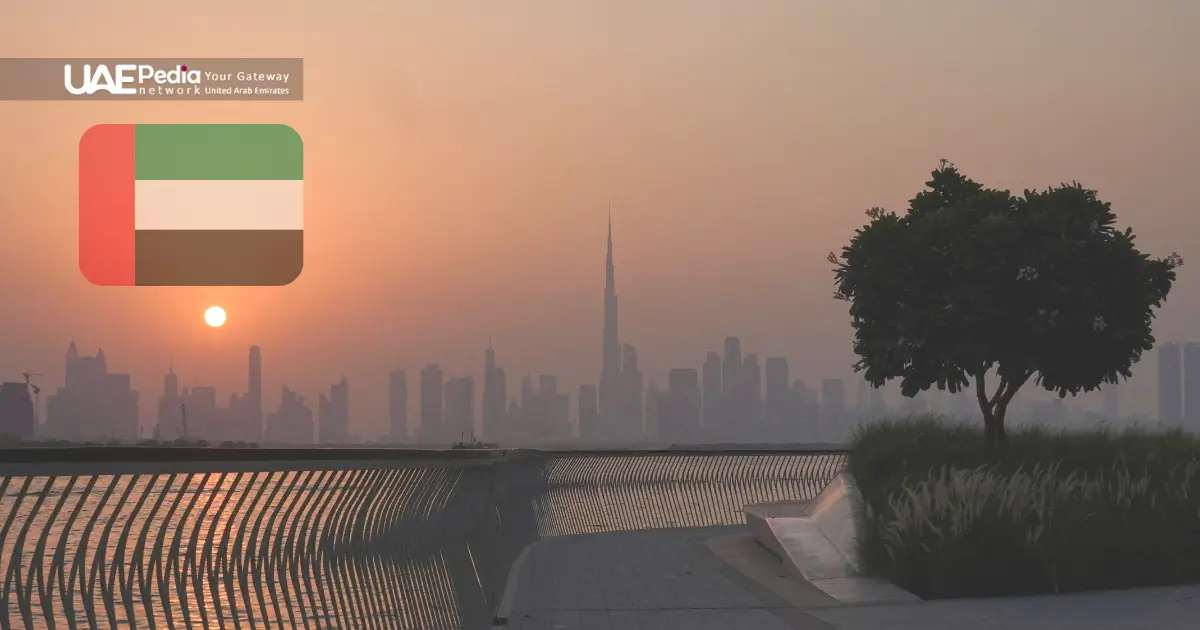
point(460, 157)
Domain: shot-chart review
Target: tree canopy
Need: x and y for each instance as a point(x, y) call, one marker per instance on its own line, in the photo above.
point(1040, 286)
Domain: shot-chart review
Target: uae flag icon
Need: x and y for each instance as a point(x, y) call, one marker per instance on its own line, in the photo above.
point(191, 205)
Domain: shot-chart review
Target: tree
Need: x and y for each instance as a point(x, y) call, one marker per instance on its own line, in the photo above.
point(976, 284)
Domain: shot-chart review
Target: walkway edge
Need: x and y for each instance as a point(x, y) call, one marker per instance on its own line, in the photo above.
point(504, 610)
point(819, 546)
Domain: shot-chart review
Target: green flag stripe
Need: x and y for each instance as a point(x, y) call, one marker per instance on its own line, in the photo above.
point(207, 152)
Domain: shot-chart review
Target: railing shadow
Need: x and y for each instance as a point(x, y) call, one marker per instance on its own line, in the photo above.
point(350, 539)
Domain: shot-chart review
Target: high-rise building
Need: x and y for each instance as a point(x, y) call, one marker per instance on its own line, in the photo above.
point(16, 411)
point(1170, 385)
point(495, 393)
point(804, 422)
point(94, 404)
point(554, 411)
point(731, 367)
point(611, 403)
point(620, 394)
point(711, 421)
point(200, 413)
point(1191, 386)
point(779, 397)
point(431, 404)
point(681, 407)
point(632, 396)
point(292, 423)
point(170, 410)
point(833, 409)
point(750, 400)
point(459, 408)
point(588, 411)
point(333, 414)
point(654, 407)
point(398, 405)
point(252, 405)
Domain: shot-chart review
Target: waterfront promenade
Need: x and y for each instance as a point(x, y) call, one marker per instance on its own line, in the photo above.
point(337, 538)
point(715, 578)
point(329, 538)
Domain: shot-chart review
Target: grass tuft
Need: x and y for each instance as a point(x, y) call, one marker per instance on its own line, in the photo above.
point(1053, 513)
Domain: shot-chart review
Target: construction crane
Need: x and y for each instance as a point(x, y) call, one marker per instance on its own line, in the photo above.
point(37, 400)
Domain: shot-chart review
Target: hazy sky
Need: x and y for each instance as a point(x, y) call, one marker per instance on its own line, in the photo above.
point(461, 155)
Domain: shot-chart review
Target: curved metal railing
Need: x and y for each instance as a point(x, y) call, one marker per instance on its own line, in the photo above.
point(337, 538)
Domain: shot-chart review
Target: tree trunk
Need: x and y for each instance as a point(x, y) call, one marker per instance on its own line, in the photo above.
point(991, 439)
point(995, 436)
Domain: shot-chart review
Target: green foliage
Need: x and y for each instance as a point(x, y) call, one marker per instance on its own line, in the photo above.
point(1054, 512)
point(1040, 286)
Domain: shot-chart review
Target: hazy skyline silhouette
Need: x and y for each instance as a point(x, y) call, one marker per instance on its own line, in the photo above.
point(460, 163)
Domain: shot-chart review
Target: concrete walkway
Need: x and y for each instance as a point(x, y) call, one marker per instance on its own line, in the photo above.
point(1173, 608)
point(651, 580)
point(719, 578)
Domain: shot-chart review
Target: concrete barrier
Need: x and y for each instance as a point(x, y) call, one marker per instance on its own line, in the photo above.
point(817, 541)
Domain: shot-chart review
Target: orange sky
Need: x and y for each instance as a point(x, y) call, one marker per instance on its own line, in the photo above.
point(460, 157)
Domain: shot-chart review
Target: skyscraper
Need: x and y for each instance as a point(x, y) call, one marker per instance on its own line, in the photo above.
point(495, 393)
point(632, 396)
point(16, 411)
point(398, 405)
point(333, 414)
point(1191, 386)
point(779, 397)
point(253, 403)
point(750, 399)
point(681, 407)
point(611, 403)
point(711, 395)
point(653, 406)
point(554, 415)
point(459, 408)
point(292, 423)
point(170, 414)
point(833, 409)
point(431, 403)
point(731, 367)
point(588, 411)
point(93, 403)
point(1170, 385)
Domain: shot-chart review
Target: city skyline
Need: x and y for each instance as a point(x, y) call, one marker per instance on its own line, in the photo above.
point(457, 179)
point(619, 413)
point(732, 396)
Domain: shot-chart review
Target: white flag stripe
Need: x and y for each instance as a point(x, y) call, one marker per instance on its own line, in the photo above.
point(218, 204)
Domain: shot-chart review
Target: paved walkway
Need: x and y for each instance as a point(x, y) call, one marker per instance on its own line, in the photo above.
point(1168, 608)
point(674, 580)
point(652, 580)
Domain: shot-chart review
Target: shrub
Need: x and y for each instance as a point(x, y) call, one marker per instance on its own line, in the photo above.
point(1055, 512)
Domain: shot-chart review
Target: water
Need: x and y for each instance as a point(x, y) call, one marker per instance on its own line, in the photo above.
point(349, 545)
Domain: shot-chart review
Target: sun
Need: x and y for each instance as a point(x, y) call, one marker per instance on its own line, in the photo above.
point(214, 316)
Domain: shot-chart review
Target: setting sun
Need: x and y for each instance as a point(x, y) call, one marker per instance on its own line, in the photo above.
point(214, 316)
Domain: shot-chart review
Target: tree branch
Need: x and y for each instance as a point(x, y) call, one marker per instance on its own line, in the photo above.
point(1014, 386)
point(1000, 392)
point(981, 388)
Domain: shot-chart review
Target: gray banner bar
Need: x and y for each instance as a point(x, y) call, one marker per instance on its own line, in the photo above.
point(116, 79)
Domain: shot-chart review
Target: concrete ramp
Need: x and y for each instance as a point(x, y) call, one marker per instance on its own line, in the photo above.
point(818, 542)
